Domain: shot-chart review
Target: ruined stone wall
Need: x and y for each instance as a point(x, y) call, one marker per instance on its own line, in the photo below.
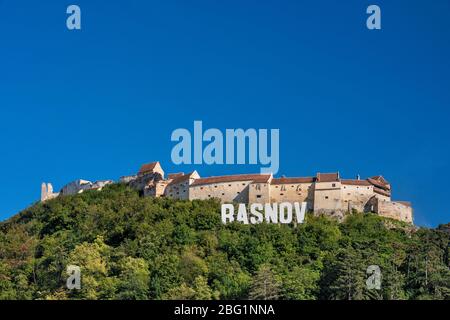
point(156, 189)
point(99, 185)
point(143, 181)
point(75, 187)
point(47, 192)
point(127, 179)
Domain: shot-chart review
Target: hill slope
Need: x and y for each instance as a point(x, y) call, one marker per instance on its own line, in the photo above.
point(129, 247)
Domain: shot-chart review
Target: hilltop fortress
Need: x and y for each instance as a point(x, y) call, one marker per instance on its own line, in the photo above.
point(325, 193)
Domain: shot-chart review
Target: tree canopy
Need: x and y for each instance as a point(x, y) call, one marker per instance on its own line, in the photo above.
point(130, 247)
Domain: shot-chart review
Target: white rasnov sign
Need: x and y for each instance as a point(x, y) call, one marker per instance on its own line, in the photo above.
point(270, 213)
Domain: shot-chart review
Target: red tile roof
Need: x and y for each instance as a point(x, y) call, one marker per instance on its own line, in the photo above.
point(175, 175)
point(380, 179)
point(293, 180)
point(258, 178)
point(327, 177)
point(378, 184)
point(356, 182)
point(181, 179)
point(148, 167)
point(381, 191)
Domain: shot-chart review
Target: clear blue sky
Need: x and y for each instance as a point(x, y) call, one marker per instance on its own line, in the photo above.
point(97, 103)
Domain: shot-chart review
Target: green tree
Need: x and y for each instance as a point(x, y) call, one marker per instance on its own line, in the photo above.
point(265, 286)
point(301, 283)
point(93, 259)
point(347, 276)
point(133, 279)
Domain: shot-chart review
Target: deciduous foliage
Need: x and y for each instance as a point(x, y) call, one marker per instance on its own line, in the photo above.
point(130, 247)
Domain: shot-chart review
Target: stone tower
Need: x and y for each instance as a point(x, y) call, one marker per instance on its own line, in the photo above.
point(49, 188)
point(44, 193)
point(47, 192)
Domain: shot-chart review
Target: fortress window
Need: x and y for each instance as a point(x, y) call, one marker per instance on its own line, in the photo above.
point(258, 196)
point(326, 197)
point(238, 192)
point(281, 194)
point(229, 185)
point(201, 188)
point(333, 185)
point(215, 186)
point(223, 194)
point(243, 184)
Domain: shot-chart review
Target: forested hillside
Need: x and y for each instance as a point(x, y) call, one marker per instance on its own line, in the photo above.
point(129, 247)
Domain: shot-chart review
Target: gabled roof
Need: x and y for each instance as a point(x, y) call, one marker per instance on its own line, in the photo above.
point(175, 175)
point(292, 180)
point(327, 177)
point(379, 184)
point(256, 178)
point(148, 167)
point(380, 179)
point(181, 179)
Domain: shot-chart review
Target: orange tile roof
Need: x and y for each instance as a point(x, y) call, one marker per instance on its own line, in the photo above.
point(181, 179)
point(378, 184)
point(175, 175)
point(356, 182)
point(293, 180)
point(257, 178)
point(148, 167)
point(381, 191)
point(327, 177)
point(380, 179)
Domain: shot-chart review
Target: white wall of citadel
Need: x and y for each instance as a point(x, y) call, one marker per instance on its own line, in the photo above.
point(356, 196)
point(179, 191)
point(259, 193)
point(236, 191)
point(328, 197)
point(395, 210)
point(293, 192)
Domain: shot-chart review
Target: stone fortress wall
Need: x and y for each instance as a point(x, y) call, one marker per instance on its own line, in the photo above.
point(325, 193)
